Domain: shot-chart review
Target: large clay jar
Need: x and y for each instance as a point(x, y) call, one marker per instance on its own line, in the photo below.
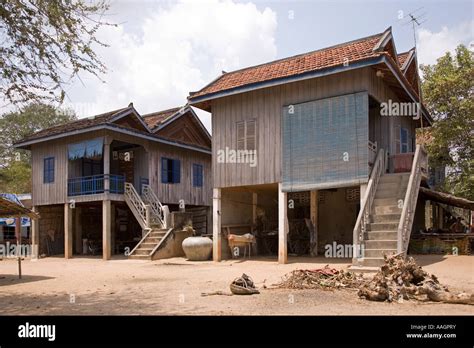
point(197, 248)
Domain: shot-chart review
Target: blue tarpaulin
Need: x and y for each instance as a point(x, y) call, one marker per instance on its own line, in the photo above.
point(86, 149)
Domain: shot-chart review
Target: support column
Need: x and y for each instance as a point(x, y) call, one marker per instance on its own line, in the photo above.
point(106, 155)
point(112, 228)
point(216, 225)
point(314, 221)
point(106, 230)
point(67, 231)
point(34, 236)
point(282, 225)
point(78, 229)
point(254, 207)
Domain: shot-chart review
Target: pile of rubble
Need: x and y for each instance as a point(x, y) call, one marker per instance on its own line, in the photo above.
point(398, 279)
point(322, 278)
point(402, 279)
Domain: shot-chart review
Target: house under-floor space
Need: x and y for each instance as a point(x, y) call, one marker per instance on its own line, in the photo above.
point(86, 226)
point(318, 221)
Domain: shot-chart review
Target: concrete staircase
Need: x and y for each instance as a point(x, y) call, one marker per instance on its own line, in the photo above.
point(382, 230)
point(146, 247)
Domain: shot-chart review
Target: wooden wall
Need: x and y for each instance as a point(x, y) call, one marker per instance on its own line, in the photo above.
point(266, 105)
point(56, 193)
point(173, 193)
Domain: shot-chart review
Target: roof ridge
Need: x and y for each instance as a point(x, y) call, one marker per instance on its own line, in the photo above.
point(161, 111)
point(304, 54)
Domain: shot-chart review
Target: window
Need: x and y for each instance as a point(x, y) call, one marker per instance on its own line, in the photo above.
point(197, 175)
point(170, 171)
point(48, 174)
point(247, 135)
point(403, 140)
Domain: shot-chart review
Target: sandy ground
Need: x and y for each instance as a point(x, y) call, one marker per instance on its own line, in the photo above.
point(170, 287)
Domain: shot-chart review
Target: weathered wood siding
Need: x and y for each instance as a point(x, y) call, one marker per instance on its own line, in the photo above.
point(56, 192)
point(173, 193)
point(266, 106)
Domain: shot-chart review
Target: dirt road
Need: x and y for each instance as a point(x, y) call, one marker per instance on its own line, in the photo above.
point(78, 286)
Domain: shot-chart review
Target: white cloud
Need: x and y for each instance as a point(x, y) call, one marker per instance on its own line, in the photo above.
point(178, 48)
point(433, 45)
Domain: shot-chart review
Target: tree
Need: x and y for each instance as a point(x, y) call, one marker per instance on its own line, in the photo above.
point(45, 43)
point(448, 88)
point(15, 168)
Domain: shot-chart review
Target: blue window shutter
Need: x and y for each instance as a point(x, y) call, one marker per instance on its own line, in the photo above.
point(48, 170)
point(52, 169)
point(164, 170)
point(201, 175)
point(176, 167)
point(197, 175)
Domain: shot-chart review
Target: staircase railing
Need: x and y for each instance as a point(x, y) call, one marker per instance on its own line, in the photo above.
point(150, 198)
point(367, 201)
point(136, 205)
point(418, 169)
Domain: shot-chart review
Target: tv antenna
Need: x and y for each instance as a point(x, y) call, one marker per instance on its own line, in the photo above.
point(415, 18)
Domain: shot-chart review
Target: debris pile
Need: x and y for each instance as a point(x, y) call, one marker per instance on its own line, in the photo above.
point(243, 285)
point(321, 278)
point(402, 279)
point(398, 279)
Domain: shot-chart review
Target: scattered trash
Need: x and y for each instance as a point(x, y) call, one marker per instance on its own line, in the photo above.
point(243, 285)
point(402, 279)
point(216, 293)
point(321, 278)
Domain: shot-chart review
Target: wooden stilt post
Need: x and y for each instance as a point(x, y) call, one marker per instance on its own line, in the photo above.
point(282, 225)
point(216, 225)
point(18, 243)
point(314, 221)
point(34, 237)
point(106, 230)
point(67, 231)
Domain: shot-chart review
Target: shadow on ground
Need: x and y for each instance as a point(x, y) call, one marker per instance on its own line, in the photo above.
point(12, 279)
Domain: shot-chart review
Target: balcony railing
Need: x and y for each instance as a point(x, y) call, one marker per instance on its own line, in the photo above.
point(94, 184)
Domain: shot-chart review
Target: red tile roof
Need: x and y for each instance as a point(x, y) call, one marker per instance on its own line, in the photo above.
point(156, 118)
point(349, 52)
point(76, 125)
point(402, 57)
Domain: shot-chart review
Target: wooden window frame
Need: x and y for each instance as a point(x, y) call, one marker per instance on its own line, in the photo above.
point(244, 139)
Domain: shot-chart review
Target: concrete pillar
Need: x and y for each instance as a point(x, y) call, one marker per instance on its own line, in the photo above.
point(106, 155)
point(314, 221)
point(282, 225)
point(78, 229)
point(68, 231)
point(34, 236)
point(363, 189)
point(112, 228)
point(106, 230)
point(216, 225)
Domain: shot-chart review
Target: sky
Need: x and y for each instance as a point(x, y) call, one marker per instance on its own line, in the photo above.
point(162, 50)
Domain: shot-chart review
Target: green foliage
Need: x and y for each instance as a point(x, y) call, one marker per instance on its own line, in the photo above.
point(448, 88)
point(45, 43)
point(15, 168)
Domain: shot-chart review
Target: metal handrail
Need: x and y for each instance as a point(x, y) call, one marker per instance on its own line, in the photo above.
point(156, 207)
point(419, 166)
point(136, 204)
point(368, 199)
